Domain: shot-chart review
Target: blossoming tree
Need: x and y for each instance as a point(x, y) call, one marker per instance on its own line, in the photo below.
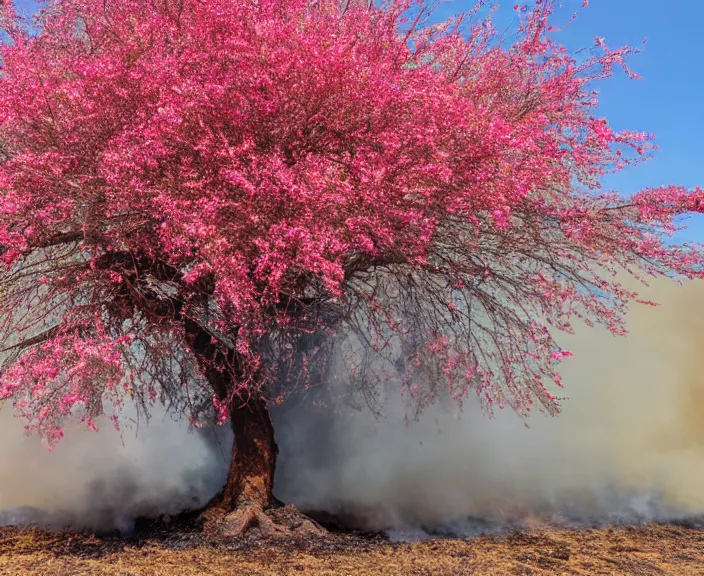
point(228, 196)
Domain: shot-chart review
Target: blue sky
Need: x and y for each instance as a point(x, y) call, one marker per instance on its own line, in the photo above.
point(667, 102)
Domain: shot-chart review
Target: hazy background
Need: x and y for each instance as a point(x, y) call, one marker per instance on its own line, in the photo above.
point(104, 480)
point(629, 446)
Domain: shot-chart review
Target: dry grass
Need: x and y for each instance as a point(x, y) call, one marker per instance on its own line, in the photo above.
point(647, 550)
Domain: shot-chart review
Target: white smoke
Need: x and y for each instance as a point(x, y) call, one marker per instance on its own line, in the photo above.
point(628, 447)
point(105, 480)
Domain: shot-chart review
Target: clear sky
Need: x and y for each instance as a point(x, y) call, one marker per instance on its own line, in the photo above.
point(667, 102)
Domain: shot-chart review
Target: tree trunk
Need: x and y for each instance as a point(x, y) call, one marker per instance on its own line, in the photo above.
point(248, 492)
point(250, 481)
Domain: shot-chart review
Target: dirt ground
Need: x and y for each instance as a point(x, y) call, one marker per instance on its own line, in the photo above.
point(646, 550)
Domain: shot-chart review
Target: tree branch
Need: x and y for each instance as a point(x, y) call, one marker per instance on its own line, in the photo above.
point(38, 339)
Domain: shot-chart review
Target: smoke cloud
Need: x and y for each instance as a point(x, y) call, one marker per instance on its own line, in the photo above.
point(105, 480)
point(628, 447)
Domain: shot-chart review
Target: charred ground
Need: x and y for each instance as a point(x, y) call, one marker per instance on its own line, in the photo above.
point(179, 546)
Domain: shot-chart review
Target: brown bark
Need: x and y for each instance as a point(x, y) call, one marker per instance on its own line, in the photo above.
point(248, 491)
point(250, 481)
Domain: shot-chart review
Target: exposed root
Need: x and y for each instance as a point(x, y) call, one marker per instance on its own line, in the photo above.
point(254, 522)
